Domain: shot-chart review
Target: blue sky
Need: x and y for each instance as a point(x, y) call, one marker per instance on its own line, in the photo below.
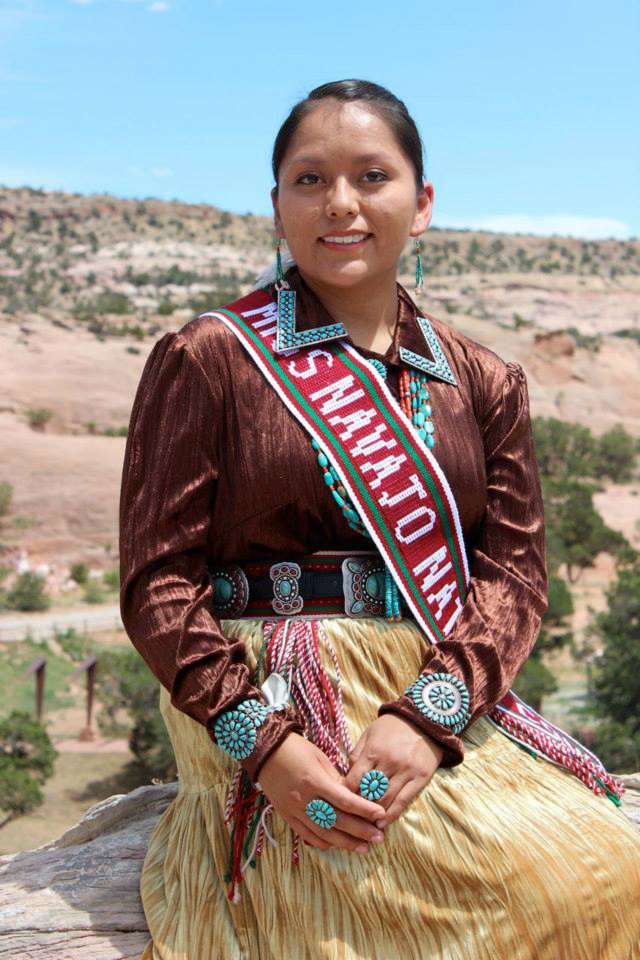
point(528, 110)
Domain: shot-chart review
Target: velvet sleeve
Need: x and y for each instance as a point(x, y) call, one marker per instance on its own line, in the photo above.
point(507, 596)
point(168, 487)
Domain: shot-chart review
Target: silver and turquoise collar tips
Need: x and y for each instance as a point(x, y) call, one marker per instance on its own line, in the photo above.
point(439, 367)
point(288, 338)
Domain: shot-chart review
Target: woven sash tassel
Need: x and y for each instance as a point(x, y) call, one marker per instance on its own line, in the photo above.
point(541, 738)
point(291, 648)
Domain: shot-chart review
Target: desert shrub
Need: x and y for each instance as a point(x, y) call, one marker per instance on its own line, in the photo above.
point(28, 593)
point(214, 298)
point(112, 579)
point(78, 646)
point(79, 572)
point(93, 592)
point(26, 761)
point(38, 416)
point(6, 495)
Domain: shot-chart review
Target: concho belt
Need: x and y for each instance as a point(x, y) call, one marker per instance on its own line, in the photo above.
point(324, 584)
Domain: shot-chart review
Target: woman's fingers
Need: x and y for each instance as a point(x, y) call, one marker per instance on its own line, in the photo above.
point(334, 837)
point(399, 802)
point(336, 793)
point(308, 834)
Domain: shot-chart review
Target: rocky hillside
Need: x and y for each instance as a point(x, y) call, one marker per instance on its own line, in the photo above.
point(88, 283)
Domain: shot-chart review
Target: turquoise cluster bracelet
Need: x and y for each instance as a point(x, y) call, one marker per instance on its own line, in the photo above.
point(443, 698)
point(235, 730)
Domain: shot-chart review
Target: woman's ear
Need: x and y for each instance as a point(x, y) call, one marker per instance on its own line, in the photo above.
point(424, 209)
point(276, 214)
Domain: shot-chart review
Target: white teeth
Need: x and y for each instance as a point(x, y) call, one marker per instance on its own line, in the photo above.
point(354, 238)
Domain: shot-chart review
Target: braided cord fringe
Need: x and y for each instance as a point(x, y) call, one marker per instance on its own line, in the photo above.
point(292, 649)
point(590, 771)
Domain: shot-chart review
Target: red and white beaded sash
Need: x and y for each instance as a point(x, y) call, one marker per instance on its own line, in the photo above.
point(401, 495)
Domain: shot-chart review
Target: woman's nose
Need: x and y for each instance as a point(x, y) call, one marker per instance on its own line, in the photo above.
point(342, 199)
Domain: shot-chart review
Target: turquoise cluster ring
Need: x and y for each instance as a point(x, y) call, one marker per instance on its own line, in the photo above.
point(373, 785)
point(321, 813)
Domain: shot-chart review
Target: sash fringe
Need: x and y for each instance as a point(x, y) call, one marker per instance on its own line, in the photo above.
point(292, 649)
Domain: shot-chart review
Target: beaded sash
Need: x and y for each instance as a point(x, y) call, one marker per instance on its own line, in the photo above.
point(401, 495)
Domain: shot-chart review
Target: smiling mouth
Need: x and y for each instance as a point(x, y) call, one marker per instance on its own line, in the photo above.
point(351, 240)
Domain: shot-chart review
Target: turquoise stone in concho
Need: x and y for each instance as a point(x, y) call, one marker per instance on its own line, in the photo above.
point(255, 710)
point(443, 698)
point(322, 813)
point(373, 785)
point(235, 733)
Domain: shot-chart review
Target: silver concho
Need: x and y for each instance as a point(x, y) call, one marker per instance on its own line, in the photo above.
point(363, 586)
point(286, 588)
point(230, 591)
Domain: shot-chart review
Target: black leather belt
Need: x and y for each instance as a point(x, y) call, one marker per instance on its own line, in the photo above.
point(328, 583)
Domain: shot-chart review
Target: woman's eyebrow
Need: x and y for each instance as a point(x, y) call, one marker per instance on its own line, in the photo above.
point(361, 158)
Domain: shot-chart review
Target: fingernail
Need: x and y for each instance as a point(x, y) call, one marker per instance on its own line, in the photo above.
point(377, 837)
point(363, 848)
point(380, 824)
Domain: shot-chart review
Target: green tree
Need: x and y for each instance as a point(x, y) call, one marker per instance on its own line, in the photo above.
point(616, 454)
point(125, 683)
point(617, 675)
point(563, 450)
point(617, 745)
point(28, 593)
point(579, 532)
point(26, 761)
point(534, 681)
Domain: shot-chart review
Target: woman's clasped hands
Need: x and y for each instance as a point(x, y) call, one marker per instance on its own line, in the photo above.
point(298, 772)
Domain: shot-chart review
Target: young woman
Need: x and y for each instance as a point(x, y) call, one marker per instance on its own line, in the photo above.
point(332, 558)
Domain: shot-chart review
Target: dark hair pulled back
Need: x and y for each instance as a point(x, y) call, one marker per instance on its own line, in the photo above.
point(378, 98)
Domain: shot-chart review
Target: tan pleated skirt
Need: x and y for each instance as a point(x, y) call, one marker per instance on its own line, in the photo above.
point(503, 857)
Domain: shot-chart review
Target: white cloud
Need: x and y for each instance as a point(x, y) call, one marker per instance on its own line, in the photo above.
point(591, 228)
point(160, 6)
point(161, 171)
point(83, 3)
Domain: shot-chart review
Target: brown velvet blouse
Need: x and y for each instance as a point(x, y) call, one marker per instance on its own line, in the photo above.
point(217, 470)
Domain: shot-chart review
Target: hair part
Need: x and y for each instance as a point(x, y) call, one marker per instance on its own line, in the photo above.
point(380, 100)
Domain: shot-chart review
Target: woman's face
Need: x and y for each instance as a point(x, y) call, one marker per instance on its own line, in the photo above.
point(344, 178)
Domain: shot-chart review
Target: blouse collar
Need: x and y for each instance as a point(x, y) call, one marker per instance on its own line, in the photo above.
point(412, 342)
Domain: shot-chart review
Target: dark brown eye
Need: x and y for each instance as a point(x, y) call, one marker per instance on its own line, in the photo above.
point(308, 178)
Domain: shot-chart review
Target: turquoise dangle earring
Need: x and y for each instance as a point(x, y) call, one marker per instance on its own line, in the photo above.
point(287, 337)
point(419, 271)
